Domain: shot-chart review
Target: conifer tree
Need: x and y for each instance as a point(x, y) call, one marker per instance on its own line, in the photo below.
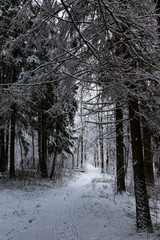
point(123, 46)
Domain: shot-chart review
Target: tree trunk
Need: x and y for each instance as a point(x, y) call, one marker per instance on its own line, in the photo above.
point(127, 150)
point(33, 151)
point(12, 144)
point(101, 154)
point(82, 149)
point(2, 152)
point(21, 151)
point(97, 153)
point(82, 129)
point(95, 160)
point(41, 149)
point(44, 156)
point(107, 146)
point(101, 142)
point(120, 150)
point(53, 165)
point(78, 153)
point(107, 158)
point(148, 156)
point(7, 145)
point(143, 217)
point(85, 151)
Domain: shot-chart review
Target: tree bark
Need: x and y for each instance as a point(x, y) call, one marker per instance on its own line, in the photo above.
point(33, 150)
point(95, 162)
point(97, 153)
point(101, 142)
point(44, 171)
point(85, 151)
point(148, 156)
point(82, 149)
point(41, 149)
point(120, 150)
point(101, 154)
point(53, 165)
point(7, 144)
point(82, 130)
point(107, 147)
point(143, 217)
point(107, 158)
point(78, 153)
point(12, 144)
point(21, 151)
point(2, 152)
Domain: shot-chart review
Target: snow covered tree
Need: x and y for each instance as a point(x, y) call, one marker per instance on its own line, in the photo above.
point(120, 45)
point(111, 44)
point(8, 70)
point(17, 20)
point(28, 55)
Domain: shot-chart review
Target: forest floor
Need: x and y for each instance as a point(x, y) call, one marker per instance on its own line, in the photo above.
point(83, 208)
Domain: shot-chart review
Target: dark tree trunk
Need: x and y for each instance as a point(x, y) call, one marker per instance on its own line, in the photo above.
point(12, 144)
point(143, 217)
point(85, 151)
point(7, 145)
point(2, 151)
point(95, 162)
point(148, 156)
point(107, 147)
point(82, 149)
point(107, 158)
point(82, 130)
point(33, 149)
point(101, 142)
point(53, 165)
point(120, 150)
point(2, 132)
point(42, 149)
point(97, 153)
point(78, 153)
point(44, 156)
point(101, 153)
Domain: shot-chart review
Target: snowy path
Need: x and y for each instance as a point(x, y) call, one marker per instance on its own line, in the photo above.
point(84, 210)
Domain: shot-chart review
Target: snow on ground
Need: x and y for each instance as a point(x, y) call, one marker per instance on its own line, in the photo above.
point(84, 209)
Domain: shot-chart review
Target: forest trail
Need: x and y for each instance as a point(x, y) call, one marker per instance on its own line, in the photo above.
point(85, 209)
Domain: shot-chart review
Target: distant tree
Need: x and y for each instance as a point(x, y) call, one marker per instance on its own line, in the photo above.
point(62, 139)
